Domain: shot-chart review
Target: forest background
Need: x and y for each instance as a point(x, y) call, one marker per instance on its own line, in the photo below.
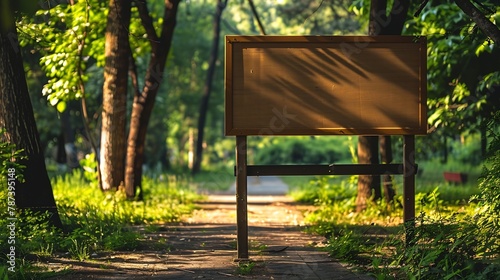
point(66, 39)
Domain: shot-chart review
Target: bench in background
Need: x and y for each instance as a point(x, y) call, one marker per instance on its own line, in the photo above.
point(455, 177)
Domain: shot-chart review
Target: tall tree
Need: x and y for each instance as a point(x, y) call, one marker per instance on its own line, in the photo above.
point(16, 116)
point(144, 99)
point(207, 90)
point(114, 103)
point(121, 156)
point(380, 23)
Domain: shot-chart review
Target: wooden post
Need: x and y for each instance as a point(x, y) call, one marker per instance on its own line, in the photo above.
point(409, 168)
point(241, 198)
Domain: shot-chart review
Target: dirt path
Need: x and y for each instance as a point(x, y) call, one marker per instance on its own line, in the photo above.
point(204, 247)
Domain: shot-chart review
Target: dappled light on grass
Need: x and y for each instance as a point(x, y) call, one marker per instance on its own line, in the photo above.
point(344, 212)
point(164, 200)
point(97, 222)
point(453, 238)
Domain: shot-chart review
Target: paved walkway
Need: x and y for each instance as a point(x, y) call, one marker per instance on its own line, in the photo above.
point(266, 185)
point(278, 244)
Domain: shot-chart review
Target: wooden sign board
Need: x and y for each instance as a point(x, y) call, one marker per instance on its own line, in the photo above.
point(325, 85)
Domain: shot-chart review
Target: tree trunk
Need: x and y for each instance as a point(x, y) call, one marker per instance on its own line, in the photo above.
point(385, 146)
point(380, 24)
point(208, 86)
point(16, 116)
point(69, 139)
point(143, 103)
point(114, 109)
point(368, 185)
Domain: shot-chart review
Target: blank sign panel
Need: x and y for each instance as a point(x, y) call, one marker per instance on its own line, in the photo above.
point(317, 85)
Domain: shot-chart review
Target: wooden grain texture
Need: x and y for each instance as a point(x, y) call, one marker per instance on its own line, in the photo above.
point(314, 85)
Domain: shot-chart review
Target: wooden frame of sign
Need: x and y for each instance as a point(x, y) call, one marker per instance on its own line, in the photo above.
point(324, 85)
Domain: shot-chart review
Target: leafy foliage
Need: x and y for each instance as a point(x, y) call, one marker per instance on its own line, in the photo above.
point(67, 36)
point(487, 211)
point(317, 17)
point(70, 38)
point(305, 150)
point(443, 248)
point(461, 81)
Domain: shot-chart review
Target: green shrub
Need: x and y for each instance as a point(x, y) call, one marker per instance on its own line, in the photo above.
point(324, 191)
point(245, 268)
point(302, 150)
point(443, 248)
point(346, 245)
point(486, 215)
point(123, 240)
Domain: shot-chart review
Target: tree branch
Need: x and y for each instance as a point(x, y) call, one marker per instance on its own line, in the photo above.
point(488, 27)
point(81, 84)
point(254, 11)
point(132, 72)
point(420, 8)
point(147, 21)
point(167, 29)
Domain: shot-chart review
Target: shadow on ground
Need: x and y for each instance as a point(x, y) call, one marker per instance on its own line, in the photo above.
point(204, 246)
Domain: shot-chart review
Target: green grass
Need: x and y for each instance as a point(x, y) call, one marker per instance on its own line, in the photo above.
point(449, 242)
point(432, 171)
point(306, 188)
point(95, 221)
point(431, 177)
point(245, 268)
point(166, 199)
point(214, 179)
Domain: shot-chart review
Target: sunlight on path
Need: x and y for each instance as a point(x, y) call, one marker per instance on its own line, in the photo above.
point(267, 205)
point(267, 185)
point(262, 210)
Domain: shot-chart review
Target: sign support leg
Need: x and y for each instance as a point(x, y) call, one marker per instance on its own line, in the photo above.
point(409, 187)
point(241, 198)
